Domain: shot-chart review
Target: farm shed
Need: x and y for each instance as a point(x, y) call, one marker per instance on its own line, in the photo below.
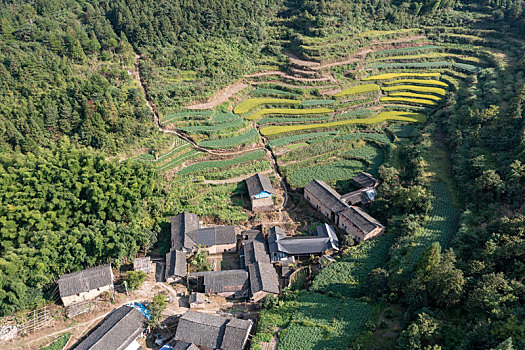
point(118, 331)
point(228, 283)
point(286, 248)
point(175, 266)
point(211, 331)
point(263, 280)
point(142, 264)
point(187, 235)
point(364, 180)
point(324, 198)
point(357, 223)
point(85, 285)
point(362, 196)
point(250, 235)
point(260, 191)
point(197, 300)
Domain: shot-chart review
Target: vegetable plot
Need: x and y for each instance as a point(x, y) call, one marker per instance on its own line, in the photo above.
point(249, 104)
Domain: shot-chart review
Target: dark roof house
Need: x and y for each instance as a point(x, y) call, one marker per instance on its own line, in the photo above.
point(259, 186)
point(360, 219)
point(211, 331)
point(263, 278)
point(142, 264)
point(282, 246)
point(116, 332)
point(85, 280)
point(361, 196)
point(253, 252)
point(175, 264)
point(186, 233)
point(325, 195)
point(180, 345)
point(226, 281)
point(364, 180)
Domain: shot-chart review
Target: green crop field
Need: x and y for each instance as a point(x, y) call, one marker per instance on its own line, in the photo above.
point(416, 65)
point(229, 142)
point(210, 129)
point(341, 170)
point(418, 82)
point(181, 158)
point(414, 95)
point(358, 113)
point(287, 111)
point(381, 117)
point(273, 92)
point(369, 152)
point(249, 104)
point(186, 115)
point(416, 88)
point(389, 76)
point(59, 343)
point(408, 49)
point(359, 89)
point(417, 101)
point(378, 137)
point(430, 55)
point(283, 141)
point(216, 164)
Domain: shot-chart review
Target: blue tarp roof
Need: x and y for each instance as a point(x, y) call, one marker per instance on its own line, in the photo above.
point(143, 310)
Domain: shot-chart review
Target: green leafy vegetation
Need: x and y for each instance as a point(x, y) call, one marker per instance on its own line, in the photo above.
point(359, 89)
point(59, 343)
point(208, 165)
point(249, 104)
point(134, 279)
point(229, 142)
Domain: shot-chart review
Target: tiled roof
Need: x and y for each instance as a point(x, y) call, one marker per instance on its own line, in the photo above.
point(263, 277)
point(85, 280)
point(326, 195)
point(361, 219)
point(363, 179)
point(259, 183)
point(175, 263)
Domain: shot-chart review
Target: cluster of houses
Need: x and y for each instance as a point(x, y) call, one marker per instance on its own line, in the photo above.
point(255, 277)
point(343, 209)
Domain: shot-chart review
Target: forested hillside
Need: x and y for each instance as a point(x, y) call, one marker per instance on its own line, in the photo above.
point(428, 95)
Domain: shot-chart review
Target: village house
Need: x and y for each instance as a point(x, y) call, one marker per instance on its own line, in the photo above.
point(324, 198)
point(85, 285)
point(213, 331)
point(227, 283)
point(180, 345)
point(175, 266)
point(187, 235)
point(118, 331)
point(288, 248)
point(357, 223)
point(342, 210)
point(260, 191)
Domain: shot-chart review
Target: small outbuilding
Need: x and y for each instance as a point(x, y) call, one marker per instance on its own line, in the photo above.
point(260, 191)
point(227, 283)
point(142, 264)
point(85, 285)
point(364, 180)
point(197, 300)
point(175, 266)
point(360, 225)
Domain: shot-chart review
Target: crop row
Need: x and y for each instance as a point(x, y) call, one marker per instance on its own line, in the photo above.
point(431, 55)
point(358, 113)
point(215, 128)
point(229, 142)
point(291, 120)
point(414, 95)
point(418, 82)
point(181, 158)
point(359, 89)
point(389, 76)
point(287, 111)
point(408, 49)
point(372, 154)
point(283, 141)
point(186, 115)
point(383, 116)
point(251, 103)
point(216, 164)
point(416, 101)
point(379, 137)
point(310, 103)
point(237, 170)
point(415, 88)
point(394, 65)
point(403, 130)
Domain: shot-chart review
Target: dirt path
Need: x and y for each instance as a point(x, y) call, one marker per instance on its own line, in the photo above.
point(220, 96)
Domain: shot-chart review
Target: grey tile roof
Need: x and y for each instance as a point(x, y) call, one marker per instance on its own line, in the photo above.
point(211, 236)
point(236, 334)
point(119, 329)
point(355, 197)
point(209, 331)
point(197, 297)
point(250, 235)
point(363, 179)
point(180, 225)
point(324, 238)
point(259, 183)
point(175, 263)
point(252, 252)
point(85, 280)
point(142, 264)
point(326, 195)
point(361, 219)
point(263, 277)
point(223, 281)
